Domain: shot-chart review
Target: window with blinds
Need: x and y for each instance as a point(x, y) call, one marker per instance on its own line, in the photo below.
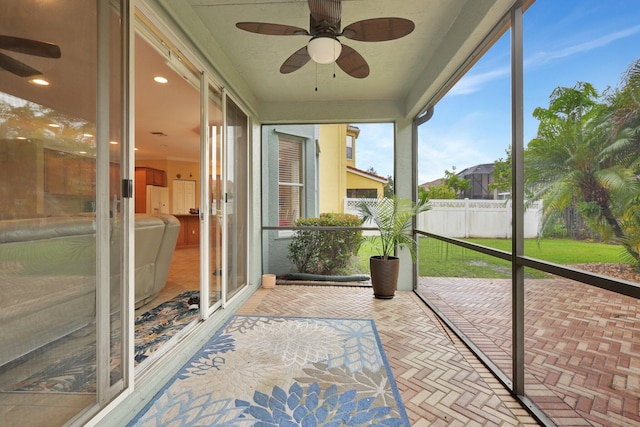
point(290, 181)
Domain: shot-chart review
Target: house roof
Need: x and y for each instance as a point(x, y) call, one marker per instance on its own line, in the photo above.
point(381, 179)
point(483, 169)
point(433, 183)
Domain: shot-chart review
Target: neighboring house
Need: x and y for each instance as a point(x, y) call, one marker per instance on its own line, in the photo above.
point(434, 183)
point(364, 184)
point(479, 177)
point(338, 176)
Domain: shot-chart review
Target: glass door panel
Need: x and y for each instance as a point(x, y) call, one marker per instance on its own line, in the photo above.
point(236, 197)
point(116, 236)
point(48, 285)
point(216, 194)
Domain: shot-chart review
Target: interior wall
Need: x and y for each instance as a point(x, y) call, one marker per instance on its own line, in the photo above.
point(175, 169)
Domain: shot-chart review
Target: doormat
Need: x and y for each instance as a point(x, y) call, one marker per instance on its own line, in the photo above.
point(282, 371)
point(76, 372)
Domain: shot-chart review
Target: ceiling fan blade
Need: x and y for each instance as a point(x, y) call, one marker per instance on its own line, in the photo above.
point(272, 29)
point(352, 63)
point(378, 29)
point(329, 11)
point(16, 67)
point(30, 47)
point(295, 61)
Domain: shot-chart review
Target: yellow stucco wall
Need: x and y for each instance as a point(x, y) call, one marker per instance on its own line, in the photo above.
point(359, 181)
point(332, 168)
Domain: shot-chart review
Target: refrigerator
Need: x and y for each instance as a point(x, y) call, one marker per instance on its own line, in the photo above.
point(157, 199)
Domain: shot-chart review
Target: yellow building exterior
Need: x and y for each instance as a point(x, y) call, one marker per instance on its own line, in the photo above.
point(337, 173)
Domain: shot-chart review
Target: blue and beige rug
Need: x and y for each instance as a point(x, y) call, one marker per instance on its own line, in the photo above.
point(283, 371)
point(76, 372)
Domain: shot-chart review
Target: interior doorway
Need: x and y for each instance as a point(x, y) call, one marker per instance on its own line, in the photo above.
point(167, 186)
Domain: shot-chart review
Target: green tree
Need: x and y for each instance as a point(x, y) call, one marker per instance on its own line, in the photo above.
point(452, 185)
point(575, 159)
point(454, 181)
point(502, 173)
point(389, 188)
point(441, 191)
point(625, 119)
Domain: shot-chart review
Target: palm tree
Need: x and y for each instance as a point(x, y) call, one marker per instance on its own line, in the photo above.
point(577, 159)
point(625, 117)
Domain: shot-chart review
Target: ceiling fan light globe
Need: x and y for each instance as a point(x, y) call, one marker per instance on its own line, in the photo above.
point(324, 50)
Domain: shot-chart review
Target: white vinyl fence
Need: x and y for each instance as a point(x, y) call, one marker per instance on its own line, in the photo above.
point(470, 218)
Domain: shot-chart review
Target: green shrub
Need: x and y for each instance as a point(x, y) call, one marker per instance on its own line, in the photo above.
point(324, 251)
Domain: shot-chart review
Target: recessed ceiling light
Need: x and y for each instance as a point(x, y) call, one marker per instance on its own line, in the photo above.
point(113, 142)
point(160, 79)
point(21, 137)
point(88, 135)
point(54, 125)
point(39, 81)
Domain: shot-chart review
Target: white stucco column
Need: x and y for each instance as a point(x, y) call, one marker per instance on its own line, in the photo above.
point(404, 187)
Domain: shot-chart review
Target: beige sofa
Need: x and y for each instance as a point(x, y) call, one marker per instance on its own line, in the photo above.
point(48, 281)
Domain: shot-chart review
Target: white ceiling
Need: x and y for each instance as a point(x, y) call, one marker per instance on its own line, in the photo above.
point(405, 72)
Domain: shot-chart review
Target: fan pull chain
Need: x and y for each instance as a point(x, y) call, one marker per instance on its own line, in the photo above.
point(334, 62)
point(316, 76)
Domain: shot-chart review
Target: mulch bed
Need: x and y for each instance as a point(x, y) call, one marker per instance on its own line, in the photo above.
point(619, 271)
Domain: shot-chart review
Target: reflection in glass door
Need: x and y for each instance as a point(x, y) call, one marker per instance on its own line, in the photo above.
point(60, 240)
point(110, 171)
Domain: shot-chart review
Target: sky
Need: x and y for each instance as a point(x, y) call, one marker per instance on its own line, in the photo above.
point(565, 42)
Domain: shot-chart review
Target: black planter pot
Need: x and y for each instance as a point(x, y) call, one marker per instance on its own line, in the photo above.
point(384, 276)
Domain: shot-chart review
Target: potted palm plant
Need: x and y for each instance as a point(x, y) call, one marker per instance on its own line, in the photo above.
point(393, 217)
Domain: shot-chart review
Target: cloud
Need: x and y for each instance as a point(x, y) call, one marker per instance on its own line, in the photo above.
point(375, 147)
point(471, 83)
point(474, 82)
point(540, 58)
point(437, 153)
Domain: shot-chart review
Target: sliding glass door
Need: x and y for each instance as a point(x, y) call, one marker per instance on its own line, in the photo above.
point(61, 233)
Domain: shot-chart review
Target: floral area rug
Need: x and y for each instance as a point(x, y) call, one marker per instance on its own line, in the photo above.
point(283, 371)
point(76, 372)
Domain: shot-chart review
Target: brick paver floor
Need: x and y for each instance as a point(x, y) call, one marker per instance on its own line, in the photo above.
point(582, 343)
point(441, 382)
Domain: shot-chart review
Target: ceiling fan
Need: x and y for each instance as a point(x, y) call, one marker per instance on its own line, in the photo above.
point(26, 46)
point(324, 29)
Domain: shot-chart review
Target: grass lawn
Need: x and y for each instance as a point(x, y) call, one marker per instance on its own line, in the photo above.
point(441, 259)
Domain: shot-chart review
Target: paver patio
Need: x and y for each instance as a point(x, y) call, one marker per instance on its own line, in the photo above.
point(582, 344)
